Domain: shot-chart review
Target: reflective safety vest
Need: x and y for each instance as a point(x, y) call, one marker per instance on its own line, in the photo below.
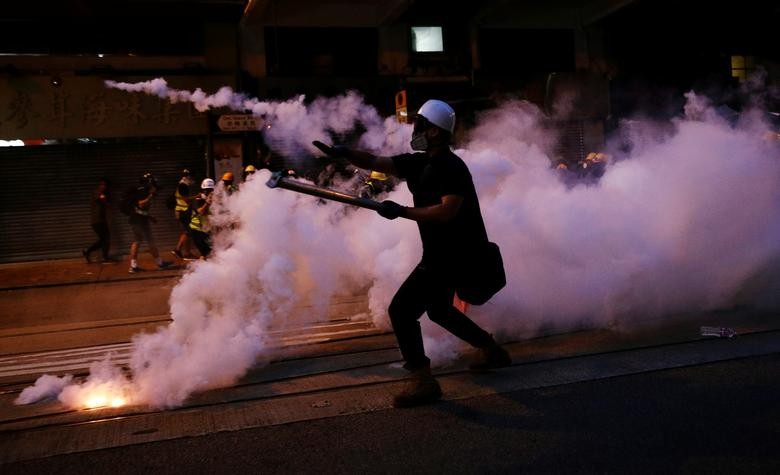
point(181, 203)
point(199, 222)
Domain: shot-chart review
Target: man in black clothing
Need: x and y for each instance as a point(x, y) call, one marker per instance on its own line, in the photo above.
point(446, 209)
point(99, 220)
point(140, 222)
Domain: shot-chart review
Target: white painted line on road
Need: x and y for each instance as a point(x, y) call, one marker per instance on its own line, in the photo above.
point(58, 361)
point(358, 392)
point(323, 336)
point(97, 348)
point(59, 369)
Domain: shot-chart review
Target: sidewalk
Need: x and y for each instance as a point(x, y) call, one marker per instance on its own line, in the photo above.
point(19, 275)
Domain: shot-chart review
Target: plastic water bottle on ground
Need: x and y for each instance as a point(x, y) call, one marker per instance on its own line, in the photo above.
point(720, 332)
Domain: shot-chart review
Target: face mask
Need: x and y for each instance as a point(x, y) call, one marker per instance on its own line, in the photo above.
point(419, 141)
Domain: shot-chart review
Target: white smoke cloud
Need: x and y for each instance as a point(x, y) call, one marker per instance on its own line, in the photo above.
point(46, 386)
point(679, 225)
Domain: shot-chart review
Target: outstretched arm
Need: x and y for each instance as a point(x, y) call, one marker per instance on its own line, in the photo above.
point(359, 158)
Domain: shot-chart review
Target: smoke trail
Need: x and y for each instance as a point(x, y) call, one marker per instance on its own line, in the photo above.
point(679, 224)
point(293, 123)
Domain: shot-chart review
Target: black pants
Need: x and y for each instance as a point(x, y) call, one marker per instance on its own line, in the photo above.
point(202, 242)
point(104, 239)
point(426, 290)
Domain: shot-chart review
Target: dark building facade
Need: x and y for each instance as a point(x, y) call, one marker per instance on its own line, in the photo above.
point(621, 57)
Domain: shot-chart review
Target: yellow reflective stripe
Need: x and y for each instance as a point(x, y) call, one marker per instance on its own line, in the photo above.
point(195, 222)
point(199, 222)
point(181, 204)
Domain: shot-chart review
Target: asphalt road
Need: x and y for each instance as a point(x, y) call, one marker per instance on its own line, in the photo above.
point(81, 302)
point(715, 418)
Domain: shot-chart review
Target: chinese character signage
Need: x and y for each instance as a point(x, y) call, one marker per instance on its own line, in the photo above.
point(239, 123)
point(34, 107)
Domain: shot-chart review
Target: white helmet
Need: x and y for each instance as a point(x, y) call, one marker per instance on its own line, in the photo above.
point(207, 184)
point(439, 113)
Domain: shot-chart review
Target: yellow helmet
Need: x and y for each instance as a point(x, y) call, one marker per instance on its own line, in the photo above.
point(250, 169)
point(377, 176)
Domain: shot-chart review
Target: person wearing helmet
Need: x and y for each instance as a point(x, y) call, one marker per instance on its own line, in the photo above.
point(249, 171)
point(199, 221)
point(181, 209)
point(140, 222)
point(227, 183)
point(446, 209)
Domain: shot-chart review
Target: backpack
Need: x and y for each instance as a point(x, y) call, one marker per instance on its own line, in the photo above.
point(483, 275)
point(170, 201)
point(127, 201)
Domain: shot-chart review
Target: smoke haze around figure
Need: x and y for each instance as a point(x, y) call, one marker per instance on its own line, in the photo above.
point(680, 223)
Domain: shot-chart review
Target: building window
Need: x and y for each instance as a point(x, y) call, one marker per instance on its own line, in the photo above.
point(742, 67)
point(427, 39)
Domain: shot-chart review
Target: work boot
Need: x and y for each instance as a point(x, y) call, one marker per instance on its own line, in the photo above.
point(491, 357)
point(422, 389)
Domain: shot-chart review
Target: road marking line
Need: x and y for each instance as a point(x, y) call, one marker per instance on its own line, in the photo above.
point(57, 361)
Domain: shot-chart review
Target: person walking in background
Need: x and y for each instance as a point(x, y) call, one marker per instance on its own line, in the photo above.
point(249, 170)
point(99, 210)
point(227, 183)
point(199, 222)
point(140, 221)
point(182, 212)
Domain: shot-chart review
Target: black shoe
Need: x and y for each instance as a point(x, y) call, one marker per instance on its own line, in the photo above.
point(423, 389)
point(135, 270)
point(492, 357)
point(164, 265)
point(85, 253)
point(177, 253)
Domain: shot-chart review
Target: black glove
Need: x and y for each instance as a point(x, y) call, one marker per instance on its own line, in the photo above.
point(335, 151)
point(391, 210)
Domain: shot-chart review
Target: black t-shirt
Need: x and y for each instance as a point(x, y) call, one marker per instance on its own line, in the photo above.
point(141, 193)
point(98, 207)
point(183, 189)
point(429, 179)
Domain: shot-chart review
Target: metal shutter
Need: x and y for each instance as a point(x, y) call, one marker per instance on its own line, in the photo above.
point(46, 192)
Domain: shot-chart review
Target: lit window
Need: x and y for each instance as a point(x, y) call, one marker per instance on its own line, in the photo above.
point(742, 67)
point(427, 39)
